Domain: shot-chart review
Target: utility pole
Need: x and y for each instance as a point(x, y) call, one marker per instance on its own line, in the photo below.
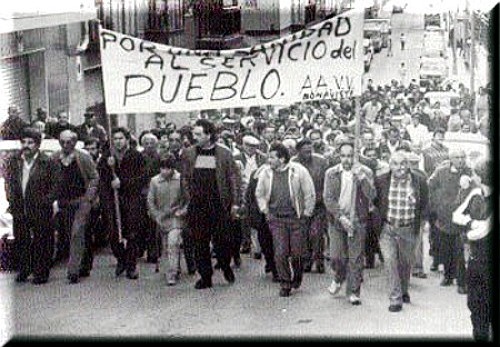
point(454, 43)
point(472, 55)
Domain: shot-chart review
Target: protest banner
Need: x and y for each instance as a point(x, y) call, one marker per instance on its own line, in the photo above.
point(324, 61)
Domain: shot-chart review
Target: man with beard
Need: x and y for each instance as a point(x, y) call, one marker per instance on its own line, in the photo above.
point(211, 182)
point(30, 184)
point(316, 230)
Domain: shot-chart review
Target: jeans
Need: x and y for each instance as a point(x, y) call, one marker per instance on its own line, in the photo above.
point(172, 244)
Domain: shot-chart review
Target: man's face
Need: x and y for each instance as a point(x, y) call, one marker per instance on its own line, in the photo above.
point(90, 120)
point(166, 172)
point(250, 149)
point(306, 151)
point(93, 150)
point(13, 111)
point(273, 160)
point(67, 142)
point(200, 138)
point(269, 133)
point(120, 142)
point(438, 138)
point(29, 147)
point(415, 120)
point(174, 137)
point(63, 118)
point(393, 136)
point(399, 165)
point(346, 154)
point(458, 159)
point(371, 154)
point(368, 139)
point(149, 144)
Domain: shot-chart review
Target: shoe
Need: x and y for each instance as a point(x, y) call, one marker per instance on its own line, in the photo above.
point(73, 279)
point(395, 308)
point(406, 298)
point(276, 278)
point(268, 268)
point(229, 275)
point(245, 250)
point(296, 281)
point(307, 268)
point(237, 262)
point(284, 292)
point(217, 266)
point(152, 260)
point(120, 268)
point(21, 278)
point(39, 280)
point(201, 284)
point(355, 300)
point(171, 282)
point(462, 290)
point(320, 267)
point(84, 273)
point(446, 282)
point(422, 275)
point(434, 268)
point(257, 255)
point(334, 288)
point(132, 274)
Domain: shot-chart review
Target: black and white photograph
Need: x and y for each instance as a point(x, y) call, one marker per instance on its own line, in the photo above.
point(235, 170)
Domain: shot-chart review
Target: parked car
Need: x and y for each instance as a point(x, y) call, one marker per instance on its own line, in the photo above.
point(372, 31)
point(433, 71)
point(383, 25)
point(368, 53)
point(399, 8)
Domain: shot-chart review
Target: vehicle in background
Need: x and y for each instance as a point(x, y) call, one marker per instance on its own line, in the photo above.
point(449, 101)
point(432, 19)
point(372, 31)
point(434, 46)
point(399, 7)
point(433, 71)
point(368, 53)
point(383, 25)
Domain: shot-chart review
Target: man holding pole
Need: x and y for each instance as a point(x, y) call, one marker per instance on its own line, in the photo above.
point(123, 180)
point(348, 187)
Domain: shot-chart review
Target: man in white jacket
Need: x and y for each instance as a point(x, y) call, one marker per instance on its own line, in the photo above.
point(285, 194)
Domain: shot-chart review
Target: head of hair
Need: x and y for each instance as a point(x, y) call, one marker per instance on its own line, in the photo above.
point(168, 162)
point(32, 133)
point(482, 168)
point(90, 141)
point(122, 130)
point(208, 128)
point(302, 143)
point(281, 150)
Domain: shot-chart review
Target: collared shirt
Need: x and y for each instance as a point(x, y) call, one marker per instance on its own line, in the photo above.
point(401, 201)
point(26, 172)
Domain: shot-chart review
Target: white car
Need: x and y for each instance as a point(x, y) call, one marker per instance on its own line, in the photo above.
point(433, 69)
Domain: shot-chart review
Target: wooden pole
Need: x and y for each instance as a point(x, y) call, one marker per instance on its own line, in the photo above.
point(357, 131)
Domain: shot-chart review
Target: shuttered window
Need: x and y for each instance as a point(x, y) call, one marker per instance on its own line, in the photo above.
point(14, 86)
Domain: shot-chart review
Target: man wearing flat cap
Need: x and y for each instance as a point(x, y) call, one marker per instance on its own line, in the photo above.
point(90, 128)
point(249, 160)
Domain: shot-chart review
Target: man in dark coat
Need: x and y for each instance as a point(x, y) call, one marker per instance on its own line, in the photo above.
point(211, 181)
point(124, 171)
point(13, 125)
point(30, 186)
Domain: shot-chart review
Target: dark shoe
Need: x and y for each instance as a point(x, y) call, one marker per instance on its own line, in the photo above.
point(297, 281)
point(132, 274)
point(446, 282)
point(276, 278)
point(21, 278)
point(229, 275)
point(268, 268)
point(245, 250)
point(217, 266)
point(434, 268)
point(73, 279)
point(257, 256)
point(40, 280)
point(381, 257)
point(307, 268)
point(406, 298)
point(355, 300)
point(191, 272)
point(320, 267)
point(395, 308)
point(284, 292)
point(422, 275)
point(201, 284)
point(152, 260)
point(120, 268)
point(84, 273)
point(461, 290)
point(237, 262)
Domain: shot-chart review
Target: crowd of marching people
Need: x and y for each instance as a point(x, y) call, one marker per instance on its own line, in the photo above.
point(292, 185)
